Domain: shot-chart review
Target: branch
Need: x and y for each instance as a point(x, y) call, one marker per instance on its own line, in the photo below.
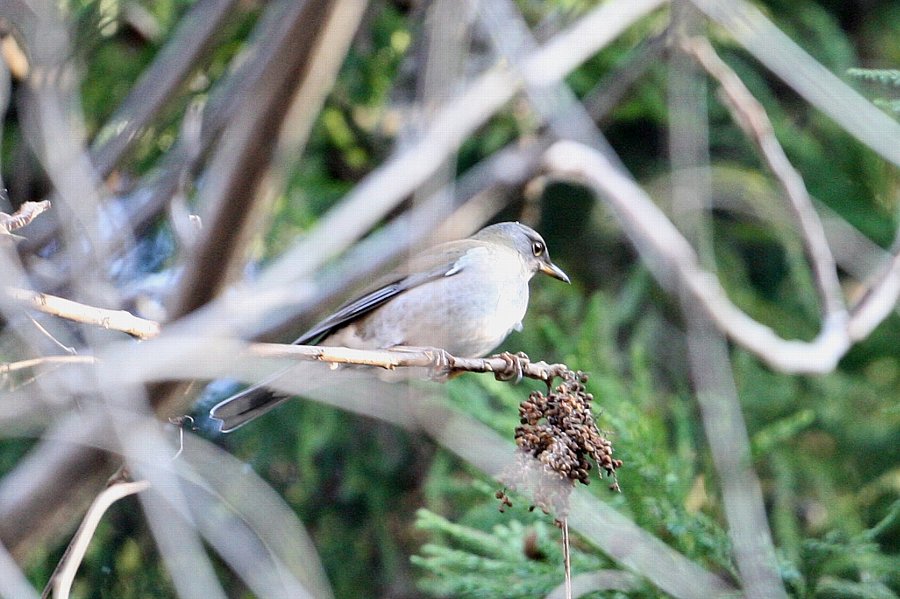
point(243, 158)
point(505, 366)
point(64, 574)
point(816, 84)
point(21, 217)
point(384, 188)
point(7, 367)
point(117, 320)
point(750, 115)
point(877, 302)
point(674, 263)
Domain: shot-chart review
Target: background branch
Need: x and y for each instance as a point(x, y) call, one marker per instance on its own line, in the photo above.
point(673, 261)
point(322, 142)
point(116, 320)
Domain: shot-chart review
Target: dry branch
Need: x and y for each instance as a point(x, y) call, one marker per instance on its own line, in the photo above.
point(7, 367)
point(504, 366)
point(21, 217)
point(117, 320)
point(877, 302)
point(750, 115)
point(62, 578)
point(819, 86)
point(386, 187)
point(241, 162)
point(675, 263)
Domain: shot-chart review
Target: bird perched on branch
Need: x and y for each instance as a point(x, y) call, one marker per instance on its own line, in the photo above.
point(463, 296)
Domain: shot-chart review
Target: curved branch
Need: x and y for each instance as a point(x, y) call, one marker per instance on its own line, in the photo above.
point(674, 263)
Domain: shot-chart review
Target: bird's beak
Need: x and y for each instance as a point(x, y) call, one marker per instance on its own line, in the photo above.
point(554, 271)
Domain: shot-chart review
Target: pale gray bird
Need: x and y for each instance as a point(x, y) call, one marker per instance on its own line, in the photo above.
point(463, 296)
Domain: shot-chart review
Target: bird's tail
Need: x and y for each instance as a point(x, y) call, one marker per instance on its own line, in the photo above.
point(241, 408)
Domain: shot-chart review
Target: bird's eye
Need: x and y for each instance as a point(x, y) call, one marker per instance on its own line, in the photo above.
point(538, 248)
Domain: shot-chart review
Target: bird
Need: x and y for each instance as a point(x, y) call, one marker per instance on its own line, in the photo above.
point(462, 296)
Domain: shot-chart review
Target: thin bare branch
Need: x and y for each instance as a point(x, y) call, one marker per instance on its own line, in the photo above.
point(62, 578)
point(674, 262)
point(750, 115)
point(877, 303)
point(505, 366)
point(384, 188)
point(116, 320)
point(726, 433)
point(21, 217)
point(567, 558)
point(7, 367)
point(819, 86)
point(43, 331)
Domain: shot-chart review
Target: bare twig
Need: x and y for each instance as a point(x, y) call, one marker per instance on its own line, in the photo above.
point(726, 433)
point(599, 580)
point(7, 367)
point(62, 578)
point(567, 558)
point(750, 115)
point(66, 348)
point(505, 366)
point(875, 305)
point(674, 263)
point(117, 320)
point(819, 86)
point(24, 215)
point(458, 118)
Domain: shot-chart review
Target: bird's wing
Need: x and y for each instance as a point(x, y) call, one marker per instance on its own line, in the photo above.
point(445, 260)
point(442, 261)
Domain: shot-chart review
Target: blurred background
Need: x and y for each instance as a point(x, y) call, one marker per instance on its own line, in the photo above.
point(241, 167)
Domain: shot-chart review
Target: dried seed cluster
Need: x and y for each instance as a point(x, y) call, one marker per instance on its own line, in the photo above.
point(558, 430)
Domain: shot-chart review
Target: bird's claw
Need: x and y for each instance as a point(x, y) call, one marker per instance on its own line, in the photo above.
point(515, 367)
point(441, 369)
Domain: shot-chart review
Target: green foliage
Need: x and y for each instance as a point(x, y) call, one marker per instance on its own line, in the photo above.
point(826, 448)
point(885, 77)
point(661, 476)
point(516, 559)
point(887, 81)
point(352, 134)
point(797, 425)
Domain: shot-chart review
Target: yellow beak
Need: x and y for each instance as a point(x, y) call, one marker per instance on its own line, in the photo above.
point(554, 271)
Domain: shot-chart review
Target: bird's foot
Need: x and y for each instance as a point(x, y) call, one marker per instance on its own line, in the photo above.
point(441, 369)
point(515, 366)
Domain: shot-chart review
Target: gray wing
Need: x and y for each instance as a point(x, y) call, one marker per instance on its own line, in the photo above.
point(427, 267)
point(241, 408)
point(350, 312)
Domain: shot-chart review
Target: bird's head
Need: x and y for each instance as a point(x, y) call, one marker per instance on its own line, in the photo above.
point(527, 242)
